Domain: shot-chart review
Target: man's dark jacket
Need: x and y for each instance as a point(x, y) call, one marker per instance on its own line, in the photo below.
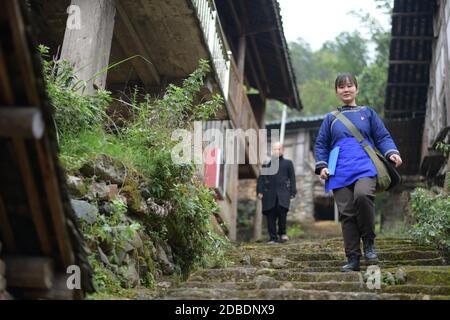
point(281, 185)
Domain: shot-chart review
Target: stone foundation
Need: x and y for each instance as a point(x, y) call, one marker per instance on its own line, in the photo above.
point(394, 205)
point(246, 209)
point(302, 207)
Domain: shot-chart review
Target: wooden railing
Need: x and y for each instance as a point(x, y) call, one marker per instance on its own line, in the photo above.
point(230, 80)
point(215, 40)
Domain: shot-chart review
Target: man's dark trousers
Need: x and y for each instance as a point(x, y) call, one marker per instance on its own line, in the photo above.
point(280, 213)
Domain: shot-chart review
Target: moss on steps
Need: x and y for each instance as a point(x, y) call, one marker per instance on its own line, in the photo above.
point(327, 286)
point(426, 275)
point(309, 270)
point(286, 294)
point(281, 263)
point(245, 274)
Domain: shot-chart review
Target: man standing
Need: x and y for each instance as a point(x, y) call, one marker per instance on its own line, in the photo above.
point(276, 191)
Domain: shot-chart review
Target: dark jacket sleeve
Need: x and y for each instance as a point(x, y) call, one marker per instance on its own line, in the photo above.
point(322, 147)
point(293, 182)
point(259, 185)
point(381, 136)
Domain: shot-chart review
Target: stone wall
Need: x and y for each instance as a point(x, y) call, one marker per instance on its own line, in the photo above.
point(247, 189)
point(302, 207)
point(95, 192)
point(246, 209)
point(394, 205)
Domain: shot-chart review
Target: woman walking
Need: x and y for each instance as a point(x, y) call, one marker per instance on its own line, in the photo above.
point(353, 174)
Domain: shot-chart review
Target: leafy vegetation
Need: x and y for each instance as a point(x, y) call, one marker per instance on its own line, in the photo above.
point(143, 144)
point(295, 231)
point(316, 71)
point(444, 148)
point(431, 211)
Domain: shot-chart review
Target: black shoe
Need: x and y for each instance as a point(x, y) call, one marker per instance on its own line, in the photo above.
point(352, 265)
point(369, 250)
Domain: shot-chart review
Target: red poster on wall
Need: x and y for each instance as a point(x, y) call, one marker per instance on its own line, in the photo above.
point(211, 168)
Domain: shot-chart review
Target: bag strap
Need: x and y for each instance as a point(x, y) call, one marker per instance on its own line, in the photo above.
point(355, 132)
point(383, 180)
point(349, 125)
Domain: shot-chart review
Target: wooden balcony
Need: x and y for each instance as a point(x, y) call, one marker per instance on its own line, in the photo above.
point(227, 74)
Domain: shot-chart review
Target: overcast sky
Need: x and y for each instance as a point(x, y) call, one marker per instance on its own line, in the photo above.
point(317, 21)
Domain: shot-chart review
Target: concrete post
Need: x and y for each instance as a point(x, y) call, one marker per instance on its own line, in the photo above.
point(87, 39)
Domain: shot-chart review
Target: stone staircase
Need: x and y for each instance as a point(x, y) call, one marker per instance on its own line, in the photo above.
point(309, 270)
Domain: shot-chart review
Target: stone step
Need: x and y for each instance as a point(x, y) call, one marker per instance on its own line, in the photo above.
point(303, 256)
point(310, 270)
point(285, 250)
point(388, 240)
point(327, 243)
point(279, 263)
point(426, 275)
point(382, 264)
point(286, 294)
point(383, 267)
point(414, 289)
point(327, 286)
point(247, 274)
point(383, 256)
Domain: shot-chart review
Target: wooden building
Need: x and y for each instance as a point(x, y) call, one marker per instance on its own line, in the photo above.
point(243, 40)
point(40, 244)
point(417, 111)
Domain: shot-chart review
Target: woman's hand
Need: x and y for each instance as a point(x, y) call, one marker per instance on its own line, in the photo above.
point(324, 174)
point(260, 196)
point(396, 159)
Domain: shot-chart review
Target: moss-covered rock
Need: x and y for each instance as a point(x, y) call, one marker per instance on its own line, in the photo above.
point(135, 202)
point(106, 169)
point(76, 186)
point(427, 275)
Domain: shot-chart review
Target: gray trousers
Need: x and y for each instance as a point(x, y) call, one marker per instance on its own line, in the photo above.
point(356, 213)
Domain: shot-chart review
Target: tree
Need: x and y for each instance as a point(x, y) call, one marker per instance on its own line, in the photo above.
point(302, 60)
point(348, 52)
point(373, 78)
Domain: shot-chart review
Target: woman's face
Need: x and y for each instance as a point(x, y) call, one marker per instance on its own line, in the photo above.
point(347, 92)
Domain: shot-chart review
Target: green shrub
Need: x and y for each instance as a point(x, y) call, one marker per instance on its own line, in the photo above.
point(143, 144)
point(431, 212)
point(73, 111)
point(295, 231)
